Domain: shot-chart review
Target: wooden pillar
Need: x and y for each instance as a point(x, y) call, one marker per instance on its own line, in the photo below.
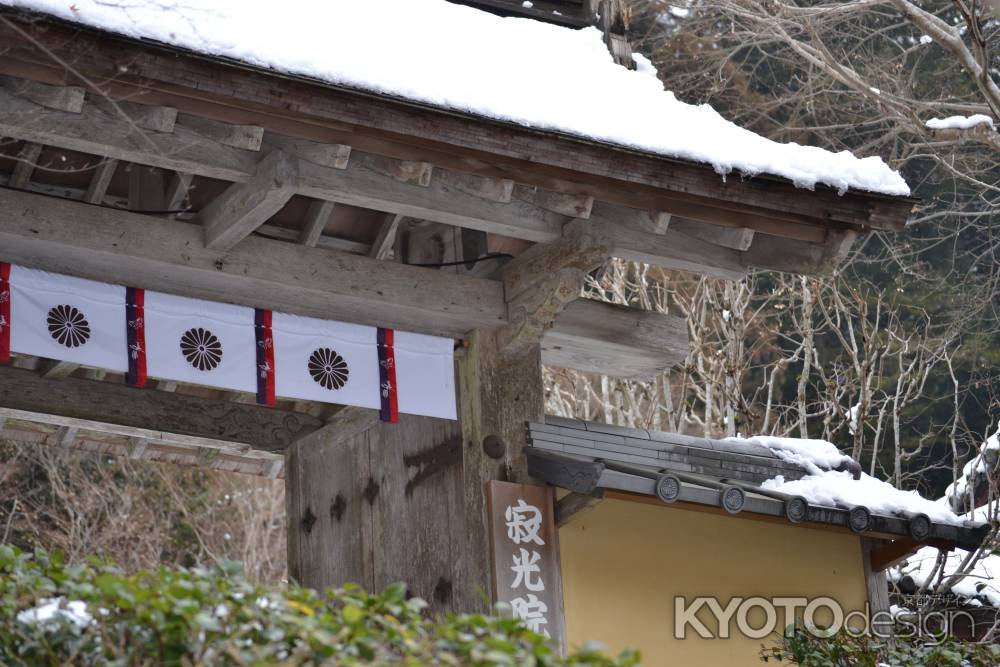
point(877, 586)
point(375, 503)
point(498, 395)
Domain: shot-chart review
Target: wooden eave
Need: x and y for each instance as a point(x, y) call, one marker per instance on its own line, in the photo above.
point(36, 48)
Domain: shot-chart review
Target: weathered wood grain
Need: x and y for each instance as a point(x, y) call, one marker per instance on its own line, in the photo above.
point(244, 207)
point(141, 251)
point(609, 339)
point(114, 408)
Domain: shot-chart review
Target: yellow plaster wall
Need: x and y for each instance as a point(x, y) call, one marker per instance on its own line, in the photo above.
point(624, 562)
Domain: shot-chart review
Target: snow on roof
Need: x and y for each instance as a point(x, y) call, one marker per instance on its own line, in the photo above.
point(832, 489)
point(981, 582)
point(960, 122)
point(828, 486)
point(451, 56)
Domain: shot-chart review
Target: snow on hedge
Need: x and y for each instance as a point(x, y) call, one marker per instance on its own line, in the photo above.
point(511, 69)
point(960, 122)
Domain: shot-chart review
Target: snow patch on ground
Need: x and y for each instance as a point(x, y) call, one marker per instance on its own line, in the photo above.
point(960, 122)
point(459, 58)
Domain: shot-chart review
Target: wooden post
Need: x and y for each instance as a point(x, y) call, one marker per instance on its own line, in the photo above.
point(877, 586)
point(376, 503)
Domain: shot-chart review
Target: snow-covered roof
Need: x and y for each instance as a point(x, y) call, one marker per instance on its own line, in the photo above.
point(458, 58)
point(778, 468)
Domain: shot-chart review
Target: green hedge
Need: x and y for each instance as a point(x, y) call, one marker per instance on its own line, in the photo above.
point(816, 649)
point(54, 613)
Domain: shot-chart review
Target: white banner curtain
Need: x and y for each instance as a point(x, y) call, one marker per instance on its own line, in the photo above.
point(67, 319)
point(215, 344)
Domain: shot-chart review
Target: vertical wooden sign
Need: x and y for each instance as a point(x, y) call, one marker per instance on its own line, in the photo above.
point(524, 551)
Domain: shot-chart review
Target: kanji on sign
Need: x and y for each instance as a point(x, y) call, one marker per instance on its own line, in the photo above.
point(524, 548)
point(526, 571)
point(532, 612)
point(523, 523)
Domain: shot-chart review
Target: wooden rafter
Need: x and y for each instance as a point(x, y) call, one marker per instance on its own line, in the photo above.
point(410, 132)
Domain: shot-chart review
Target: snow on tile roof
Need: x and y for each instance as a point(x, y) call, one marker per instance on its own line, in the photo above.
point(826, 485)
point(455, 57)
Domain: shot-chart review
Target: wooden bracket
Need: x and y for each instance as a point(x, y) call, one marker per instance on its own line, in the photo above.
point(244, 207)
point(539, 282)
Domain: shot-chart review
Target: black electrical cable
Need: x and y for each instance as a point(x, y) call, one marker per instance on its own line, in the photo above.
point(437, 265)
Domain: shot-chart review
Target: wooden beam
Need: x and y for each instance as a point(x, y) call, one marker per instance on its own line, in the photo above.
point(485, 147)
point(346, 424)
point(568, 204)
point(100, 181)
point(243, 207)
point(115, 408)
point(142, 116)
point(656, 222)
point(61, 98)
point(316, 218)
point(362, 183)
point(382, 248)
point(614, 340)
point(575, 505)
point(177, 191)
point(328, 242)
point(492, 189)
point(153, 253)
point(248, 137)
point(27, 160)
point(737, 238)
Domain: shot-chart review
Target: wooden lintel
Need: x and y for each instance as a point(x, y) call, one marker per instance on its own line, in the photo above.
point(153, 415)
point(154, 253)
point(244, 207)
point(575, 505)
